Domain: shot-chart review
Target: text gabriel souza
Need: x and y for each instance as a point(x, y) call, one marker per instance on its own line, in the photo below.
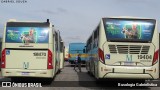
point(13, 1)
point(137, 84)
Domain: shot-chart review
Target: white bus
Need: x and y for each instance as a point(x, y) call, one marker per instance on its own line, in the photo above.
point(30, 49)
point(124, 47)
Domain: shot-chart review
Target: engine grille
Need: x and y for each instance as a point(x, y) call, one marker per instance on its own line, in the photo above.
point(129, 49)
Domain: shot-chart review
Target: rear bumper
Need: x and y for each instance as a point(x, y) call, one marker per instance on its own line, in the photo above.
point(128, 76)
point(128, 72)
point(27, 73)
point(131, 73)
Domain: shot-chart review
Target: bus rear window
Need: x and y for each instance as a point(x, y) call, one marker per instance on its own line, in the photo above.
point(27, 35)
point(129, 29)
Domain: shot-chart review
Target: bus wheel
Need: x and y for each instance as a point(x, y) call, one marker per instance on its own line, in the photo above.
point(98, 80)
point(14, 79)
point(48, 80)
point(89, 72)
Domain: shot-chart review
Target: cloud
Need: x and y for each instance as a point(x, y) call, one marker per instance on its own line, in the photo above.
point(62, 10)
point(70, 39)
point(48, 12)
point(54, 12)
point(74, 38)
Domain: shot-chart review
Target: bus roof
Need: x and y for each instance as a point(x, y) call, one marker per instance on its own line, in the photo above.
point(128, 17)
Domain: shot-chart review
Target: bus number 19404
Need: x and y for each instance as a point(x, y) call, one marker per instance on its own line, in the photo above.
point(144, 56)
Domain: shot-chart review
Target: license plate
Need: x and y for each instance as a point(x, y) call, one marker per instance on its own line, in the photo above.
point(128, 63)
point(25, 73)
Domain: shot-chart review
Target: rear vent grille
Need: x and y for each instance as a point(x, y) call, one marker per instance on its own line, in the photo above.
point(129, 49)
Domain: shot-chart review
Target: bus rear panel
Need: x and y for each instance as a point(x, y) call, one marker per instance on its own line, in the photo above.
point(27, 50)
point(127, 48)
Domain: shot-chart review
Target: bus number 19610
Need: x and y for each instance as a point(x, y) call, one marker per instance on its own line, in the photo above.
point(144, 56)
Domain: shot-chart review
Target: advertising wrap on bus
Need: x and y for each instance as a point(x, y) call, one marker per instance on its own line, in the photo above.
point(27, 35)
point(129, 30)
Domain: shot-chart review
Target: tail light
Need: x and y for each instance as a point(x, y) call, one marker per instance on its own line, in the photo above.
point(101, 55)
point(155, 58)
point(3, 59)
point(49, 63)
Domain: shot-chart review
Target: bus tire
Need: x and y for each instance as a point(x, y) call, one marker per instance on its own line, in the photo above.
point(89, 72)
point(14, 79)
point(48, 80)
point(98, 80)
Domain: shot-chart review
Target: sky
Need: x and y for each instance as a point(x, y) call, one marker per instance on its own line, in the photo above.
point(76, 19)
